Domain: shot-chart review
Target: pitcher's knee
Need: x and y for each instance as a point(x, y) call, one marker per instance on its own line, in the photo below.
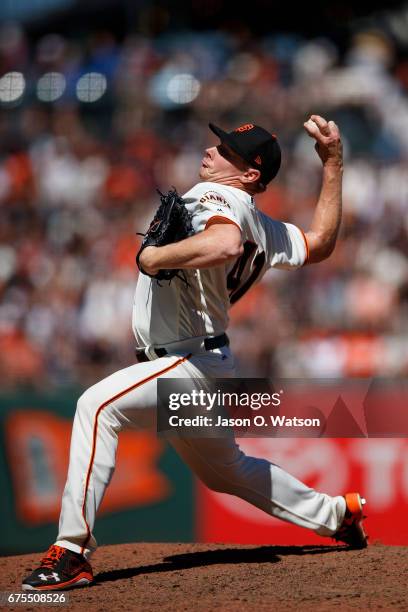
point(88, 403)
point(224, 481)
point(244, 473)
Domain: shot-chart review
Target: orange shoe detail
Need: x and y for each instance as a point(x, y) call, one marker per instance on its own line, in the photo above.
point(59, 569)
point(53, 554)
point(354, 504)
point(351, 531)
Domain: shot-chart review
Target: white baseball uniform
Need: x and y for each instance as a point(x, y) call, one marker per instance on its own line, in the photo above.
point(179, 317)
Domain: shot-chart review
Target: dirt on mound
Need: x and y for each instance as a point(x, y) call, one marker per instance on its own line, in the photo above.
point(232, 577)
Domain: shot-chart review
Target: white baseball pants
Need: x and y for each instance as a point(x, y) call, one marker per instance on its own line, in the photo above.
point(128, 399)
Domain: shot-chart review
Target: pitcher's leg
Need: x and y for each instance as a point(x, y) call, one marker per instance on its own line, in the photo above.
point(223, 467)
point(124, 399)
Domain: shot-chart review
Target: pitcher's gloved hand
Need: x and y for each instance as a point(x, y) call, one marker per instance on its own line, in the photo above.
point(171, 223)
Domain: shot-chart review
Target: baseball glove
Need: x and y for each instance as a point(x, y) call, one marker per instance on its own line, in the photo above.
point(171, 223)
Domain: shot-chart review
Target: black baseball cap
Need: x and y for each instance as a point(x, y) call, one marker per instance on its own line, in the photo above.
point(255, 145)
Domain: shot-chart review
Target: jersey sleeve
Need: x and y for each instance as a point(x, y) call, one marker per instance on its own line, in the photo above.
point(210, 207)
point(287, 245)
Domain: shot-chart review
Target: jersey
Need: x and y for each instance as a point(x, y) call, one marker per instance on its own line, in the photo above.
point(168, 312)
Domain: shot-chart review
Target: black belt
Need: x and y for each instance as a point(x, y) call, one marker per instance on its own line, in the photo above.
point(209, 345)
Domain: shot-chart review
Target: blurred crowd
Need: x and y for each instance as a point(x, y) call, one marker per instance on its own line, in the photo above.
point(89, 128)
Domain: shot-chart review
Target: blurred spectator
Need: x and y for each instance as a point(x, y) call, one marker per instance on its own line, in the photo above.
point(90, 128)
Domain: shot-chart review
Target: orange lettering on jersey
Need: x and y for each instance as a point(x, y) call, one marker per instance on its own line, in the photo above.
point(213, 197)
point(244, 128)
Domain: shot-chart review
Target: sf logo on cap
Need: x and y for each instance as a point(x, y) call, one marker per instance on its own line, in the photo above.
point(244, 128)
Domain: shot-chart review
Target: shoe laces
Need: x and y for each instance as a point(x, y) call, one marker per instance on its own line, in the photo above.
point(53, 555)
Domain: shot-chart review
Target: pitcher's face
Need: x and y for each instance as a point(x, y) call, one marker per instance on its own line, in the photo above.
point(221, 162)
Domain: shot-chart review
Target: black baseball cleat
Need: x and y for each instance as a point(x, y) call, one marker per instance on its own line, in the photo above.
point(59, 569)
point(351, 530)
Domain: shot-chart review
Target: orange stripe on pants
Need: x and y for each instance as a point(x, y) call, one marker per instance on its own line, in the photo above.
point(95, 431)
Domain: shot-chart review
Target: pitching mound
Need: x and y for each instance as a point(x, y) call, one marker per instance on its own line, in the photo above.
point(233, 577)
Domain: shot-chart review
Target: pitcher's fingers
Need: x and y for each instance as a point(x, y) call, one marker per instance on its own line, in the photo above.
point(322, 124)
point(311, 128)
point(334, 129)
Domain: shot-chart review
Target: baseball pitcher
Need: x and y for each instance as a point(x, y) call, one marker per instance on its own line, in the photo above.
point(202, 253)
